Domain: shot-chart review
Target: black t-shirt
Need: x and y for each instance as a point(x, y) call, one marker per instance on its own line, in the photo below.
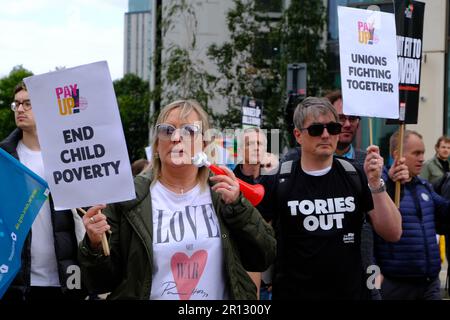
point(318, 223)
point(445, 165)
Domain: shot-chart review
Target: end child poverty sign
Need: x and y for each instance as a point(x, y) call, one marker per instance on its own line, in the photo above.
point(80, 132)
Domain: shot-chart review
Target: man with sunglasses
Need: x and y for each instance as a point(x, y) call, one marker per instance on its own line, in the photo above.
point(345, 149)
point(318, 212)
point(51, 246)
point(350, 125)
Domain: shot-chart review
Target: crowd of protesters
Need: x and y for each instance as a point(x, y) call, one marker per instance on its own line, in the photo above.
point(326, 224)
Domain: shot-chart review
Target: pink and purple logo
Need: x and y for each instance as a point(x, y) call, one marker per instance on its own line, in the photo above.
point(366, 33)
point(69, 100)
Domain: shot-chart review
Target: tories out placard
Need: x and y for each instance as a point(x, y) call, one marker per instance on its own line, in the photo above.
point(369, 67)
point(80, 132)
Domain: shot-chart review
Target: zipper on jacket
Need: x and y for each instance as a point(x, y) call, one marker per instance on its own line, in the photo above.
point(420, 215)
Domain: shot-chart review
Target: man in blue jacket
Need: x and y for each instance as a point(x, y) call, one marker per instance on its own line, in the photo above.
point(411, 266)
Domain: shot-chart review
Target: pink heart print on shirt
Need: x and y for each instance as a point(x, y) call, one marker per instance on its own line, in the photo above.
point(188, 271)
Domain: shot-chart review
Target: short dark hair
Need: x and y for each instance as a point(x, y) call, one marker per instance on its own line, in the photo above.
point(19, 87)
point(442, 138)
point(333, 96)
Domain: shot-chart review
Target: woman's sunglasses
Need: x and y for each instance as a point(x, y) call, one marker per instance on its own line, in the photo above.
point(165, 131)
point(316, 129)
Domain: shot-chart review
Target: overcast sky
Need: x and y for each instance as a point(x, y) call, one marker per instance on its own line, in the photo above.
point(44, 34)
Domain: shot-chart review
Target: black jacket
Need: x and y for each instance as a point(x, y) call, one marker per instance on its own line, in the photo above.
point(266, 181)
point(66, 245)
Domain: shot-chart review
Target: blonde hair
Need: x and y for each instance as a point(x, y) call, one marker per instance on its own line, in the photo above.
point(186, 107)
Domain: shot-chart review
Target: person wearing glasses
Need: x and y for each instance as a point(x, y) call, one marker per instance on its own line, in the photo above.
point(186, 235)
point(345, 149)
point(318, 212)
point(350, 125)
point(50, 249)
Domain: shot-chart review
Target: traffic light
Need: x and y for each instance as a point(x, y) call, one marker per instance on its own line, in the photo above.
point(296, 79)
point(296, 92)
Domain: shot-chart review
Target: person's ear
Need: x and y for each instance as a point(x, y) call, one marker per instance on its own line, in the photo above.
point(298, 135)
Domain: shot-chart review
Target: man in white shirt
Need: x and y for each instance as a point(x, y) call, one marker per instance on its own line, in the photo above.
point(51, 246)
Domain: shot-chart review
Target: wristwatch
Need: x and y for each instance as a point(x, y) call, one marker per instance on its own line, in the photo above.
point(380, 189)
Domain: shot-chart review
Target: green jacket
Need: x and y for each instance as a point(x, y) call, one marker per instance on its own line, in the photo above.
point(432, 170)
point(248, 244)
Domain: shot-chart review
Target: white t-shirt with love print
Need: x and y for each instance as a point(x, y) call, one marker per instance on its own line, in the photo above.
point(188, 258)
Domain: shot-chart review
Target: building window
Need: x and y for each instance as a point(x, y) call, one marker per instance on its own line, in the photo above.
point(333, 33)
point(265, 49)
point(268, 5)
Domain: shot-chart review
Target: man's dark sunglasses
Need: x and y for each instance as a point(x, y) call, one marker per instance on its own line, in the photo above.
point(316, 129)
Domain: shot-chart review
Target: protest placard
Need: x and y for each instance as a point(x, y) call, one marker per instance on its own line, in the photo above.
point(369, 66)
point(251, 112)
point(81, 137)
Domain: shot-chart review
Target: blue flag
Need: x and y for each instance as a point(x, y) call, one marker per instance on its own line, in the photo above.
point(22, 194)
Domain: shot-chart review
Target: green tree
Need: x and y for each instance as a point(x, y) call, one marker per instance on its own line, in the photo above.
point(243, 68)
point(254, 61)
point(133, 98)
point(7, 85)
point(301, 32)
point(183, 75)
point(301, 36)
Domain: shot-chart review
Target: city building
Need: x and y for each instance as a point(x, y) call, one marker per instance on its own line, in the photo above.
point(139, 38)
point(434, 110)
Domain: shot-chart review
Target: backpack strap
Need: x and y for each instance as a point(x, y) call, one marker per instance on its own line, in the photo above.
point(353, 174)
point(285, 169)
point(285, 178)
point(347, 165)
point(354, 178)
